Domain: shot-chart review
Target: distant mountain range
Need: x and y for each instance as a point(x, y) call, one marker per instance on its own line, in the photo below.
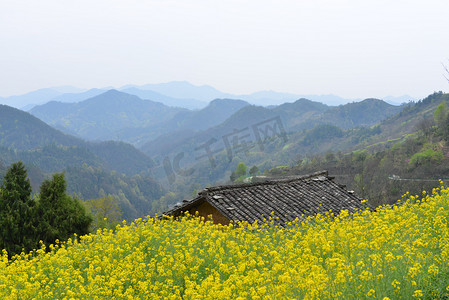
point(188, 103)
point(183, 90)
point(104, 116)
point(177, 93)
point(115, 115)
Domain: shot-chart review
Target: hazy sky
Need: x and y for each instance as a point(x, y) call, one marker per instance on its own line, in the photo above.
point(353, 48)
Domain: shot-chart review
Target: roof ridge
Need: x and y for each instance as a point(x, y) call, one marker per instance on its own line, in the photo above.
point(267, 182)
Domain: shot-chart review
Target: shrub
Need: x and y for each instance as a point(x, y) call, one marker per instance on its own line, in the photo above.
point(426, 157)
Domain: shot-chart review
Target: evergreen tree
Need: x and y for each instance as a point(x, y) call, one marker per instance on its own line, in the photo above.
point(254, 171)
point(60, 215)
point(17, 231)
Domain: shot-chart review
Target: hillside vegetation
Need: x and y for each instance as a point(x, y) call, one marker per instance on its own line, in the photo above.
point(19, 130)
point(413, 158)
point(22, 134)
point(295, 117)
point(92, 168)
point(398, 252)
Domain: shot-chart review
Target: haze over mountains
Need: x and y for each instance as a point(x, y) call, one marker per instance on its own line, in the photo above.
point(115, 115)
point(120, 116)
point(150, 154)
point(176, 93)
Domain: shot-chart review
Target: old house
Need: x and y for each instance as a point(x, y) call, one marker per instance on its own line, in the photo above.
point(283, 198)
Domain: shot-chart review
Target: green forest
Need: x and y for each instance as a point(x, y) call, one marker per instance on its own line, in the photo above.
point(26, 220)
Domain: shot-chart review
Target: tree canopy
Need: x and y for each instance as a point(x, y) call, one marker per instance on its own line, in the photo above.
point(25, 221)
point(61, 215)
point(17, 228)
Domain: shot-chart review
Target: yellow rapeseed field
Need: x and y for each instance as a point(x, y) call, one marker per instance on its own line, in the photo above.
point(400, 252)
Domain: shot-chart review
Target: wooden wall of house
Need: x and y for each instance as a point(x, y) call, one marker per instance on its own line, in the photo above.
point(205, 210)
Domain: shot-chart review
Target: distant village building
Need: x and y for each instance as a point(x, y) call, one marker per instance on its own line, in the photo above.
point(285, 199)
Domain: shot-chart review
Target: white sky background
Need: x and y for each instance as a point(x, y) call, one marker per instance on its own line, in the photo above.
point(352, 48)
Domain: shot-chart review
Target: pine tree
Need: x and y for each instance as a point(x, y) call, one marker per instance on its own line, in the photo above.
point(60, 215)
point(17, 228)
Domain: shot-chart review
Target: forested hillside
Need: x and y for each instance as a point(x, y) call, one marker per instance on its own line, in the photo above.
point(19, 130)
point(293, 117)
point(136, 194)
point(364, 113)
point(113, 168)
point(413, 159)
point(26, 137)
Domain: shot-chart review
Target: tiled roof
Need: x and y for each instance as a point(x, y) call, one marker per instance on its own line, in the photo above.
point(284, 198)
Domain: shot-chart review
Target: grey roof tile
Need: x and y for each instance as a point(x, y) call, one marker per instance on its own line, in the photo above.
point(285, 198)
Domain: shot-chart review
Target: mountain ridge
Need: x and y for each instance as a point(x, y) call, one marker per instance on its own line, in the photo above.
point(179, 94)
point(118, 115)
point(102, 116)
